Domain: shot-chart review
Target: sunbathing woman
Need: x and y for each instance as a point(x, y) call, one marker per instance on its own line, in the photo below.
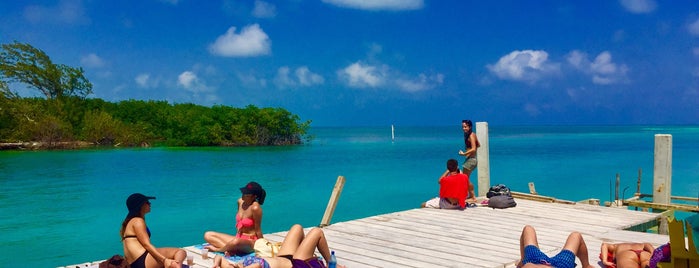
point(248, 221)
point(625, 255)
point(297, 251)
point(135, 236)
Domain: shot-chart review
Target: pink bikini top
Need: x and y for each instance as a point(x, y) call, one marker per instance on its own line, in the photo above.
point(241, 223)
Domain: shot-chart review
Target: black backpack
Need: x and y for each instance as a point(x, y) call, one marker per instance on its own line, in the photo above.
point(501, 201)
point(499, 189)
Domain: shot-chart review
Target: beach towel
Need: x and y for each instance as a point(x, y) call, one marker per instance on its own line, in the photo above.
point(233, 258)
point(660, 254)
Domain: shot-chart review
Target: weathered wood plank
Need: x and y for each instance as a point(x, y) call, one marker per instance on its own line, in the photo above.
point(475, 237)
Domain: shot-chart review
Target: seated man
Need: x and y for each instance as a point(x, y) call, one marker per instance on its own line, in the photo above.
point(454, 188)
point(625, 255)
point(532, 257)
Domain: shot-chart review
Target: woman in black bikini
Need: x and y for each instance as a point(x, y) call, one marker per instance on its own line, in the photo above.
point(135, 236)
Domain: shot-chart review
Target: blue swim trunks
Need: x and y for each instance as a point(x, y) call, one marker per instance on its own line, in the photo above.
point(564, 259)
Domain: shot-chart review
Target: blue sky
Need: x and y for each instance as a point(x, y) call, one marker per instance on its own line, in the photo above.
point(382, 62)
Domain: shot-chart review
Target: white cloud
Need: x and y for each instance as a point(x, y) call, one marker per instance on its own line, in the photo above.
point(302, 77)
point(199, 92)
point(420, 83)
point(190, 81)
point(92, 61)
point(67, 11)
point(395, 5)
point(603, 70)
point(525, 65)
point(694, 28)
point(252, 41)
point(264, 10)
point(251, 80)
point(187, 79)
point(359, 75)
point(308, 78)
point(142, 80)
point(147, 80)
point(639, 6)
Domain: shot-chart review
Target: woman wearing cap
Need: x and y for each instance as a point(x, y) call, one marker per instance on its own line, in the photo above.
point(135, 236)
point(248, 221)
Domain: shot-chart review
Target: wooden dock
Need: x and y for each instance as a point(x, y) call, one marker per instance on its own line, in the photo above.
point(475, 237)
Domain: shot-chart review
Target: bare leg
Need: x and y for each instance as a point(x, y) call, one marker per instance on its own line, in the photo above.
point(527, 238)
point(238, 245)
point(217, 240)
point(292, 240)
point(170, 253)
point(314, 239)
point(466, 171)
point(576, 244)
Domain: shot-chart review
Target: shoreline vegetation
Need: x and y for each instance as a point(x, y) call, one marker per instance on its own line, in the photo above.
point(67, 119)
point(75, 123)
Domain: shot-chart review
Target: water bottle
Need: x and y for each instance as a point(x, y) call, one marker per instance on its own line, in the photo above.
point(333, 261)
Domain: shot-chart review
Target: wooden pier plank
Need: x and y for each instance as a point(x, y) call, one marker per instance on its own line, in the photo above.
point(475, 237)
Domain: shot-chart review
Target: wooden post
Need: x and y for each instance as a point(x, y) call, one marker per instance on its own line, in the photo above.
point(616, 189)
point(332, 203)
point(483, 157)
point(532, 188)
point(638, 183)
point(662, 169)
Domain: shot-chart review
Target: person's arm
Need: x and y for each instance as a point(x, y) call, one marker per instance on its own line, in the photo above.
point(605, 254)
point(443, 175)
point(257, 218)
point(139, 226)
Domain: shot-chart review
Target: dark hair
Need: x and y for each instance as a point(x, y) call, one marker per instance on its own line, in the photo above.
point(467, 122)
point(256, 189)
point(452, 165)
point(125, 222)
point(134, 203)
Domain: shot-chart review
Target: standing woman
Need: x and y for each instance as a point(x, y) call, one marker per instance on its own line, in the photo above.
point(472, 144)
point(248, 220)
point(135, 236)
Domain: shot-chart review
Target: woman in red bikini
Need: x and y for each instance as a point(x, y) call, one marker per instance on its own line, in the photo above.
point(248, 221)
point(624, 255)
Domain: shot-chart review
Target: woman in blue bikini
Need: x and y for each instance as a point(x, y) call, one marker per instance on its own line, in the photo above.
point(297, 251)
point(135, 236)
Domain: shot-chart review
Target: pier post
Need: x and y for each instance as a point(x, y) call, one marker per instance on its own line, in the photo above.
point(662, 169)
point(332, 203)
point(483, 157)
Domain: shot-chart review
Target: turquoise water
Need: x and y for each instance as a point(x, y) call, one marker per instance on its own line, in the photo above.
point(66, 207)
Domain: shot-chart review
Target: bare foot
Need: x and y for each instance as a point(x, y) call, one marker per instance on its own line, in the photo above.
point(212, 248)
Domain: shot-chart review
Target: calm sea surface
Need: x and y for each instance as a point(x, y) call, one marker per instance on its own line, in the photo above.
point(66, 207)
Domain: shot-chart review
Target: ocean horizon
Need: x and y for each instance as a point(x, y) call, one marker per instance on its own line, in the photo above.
point(73, 202)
